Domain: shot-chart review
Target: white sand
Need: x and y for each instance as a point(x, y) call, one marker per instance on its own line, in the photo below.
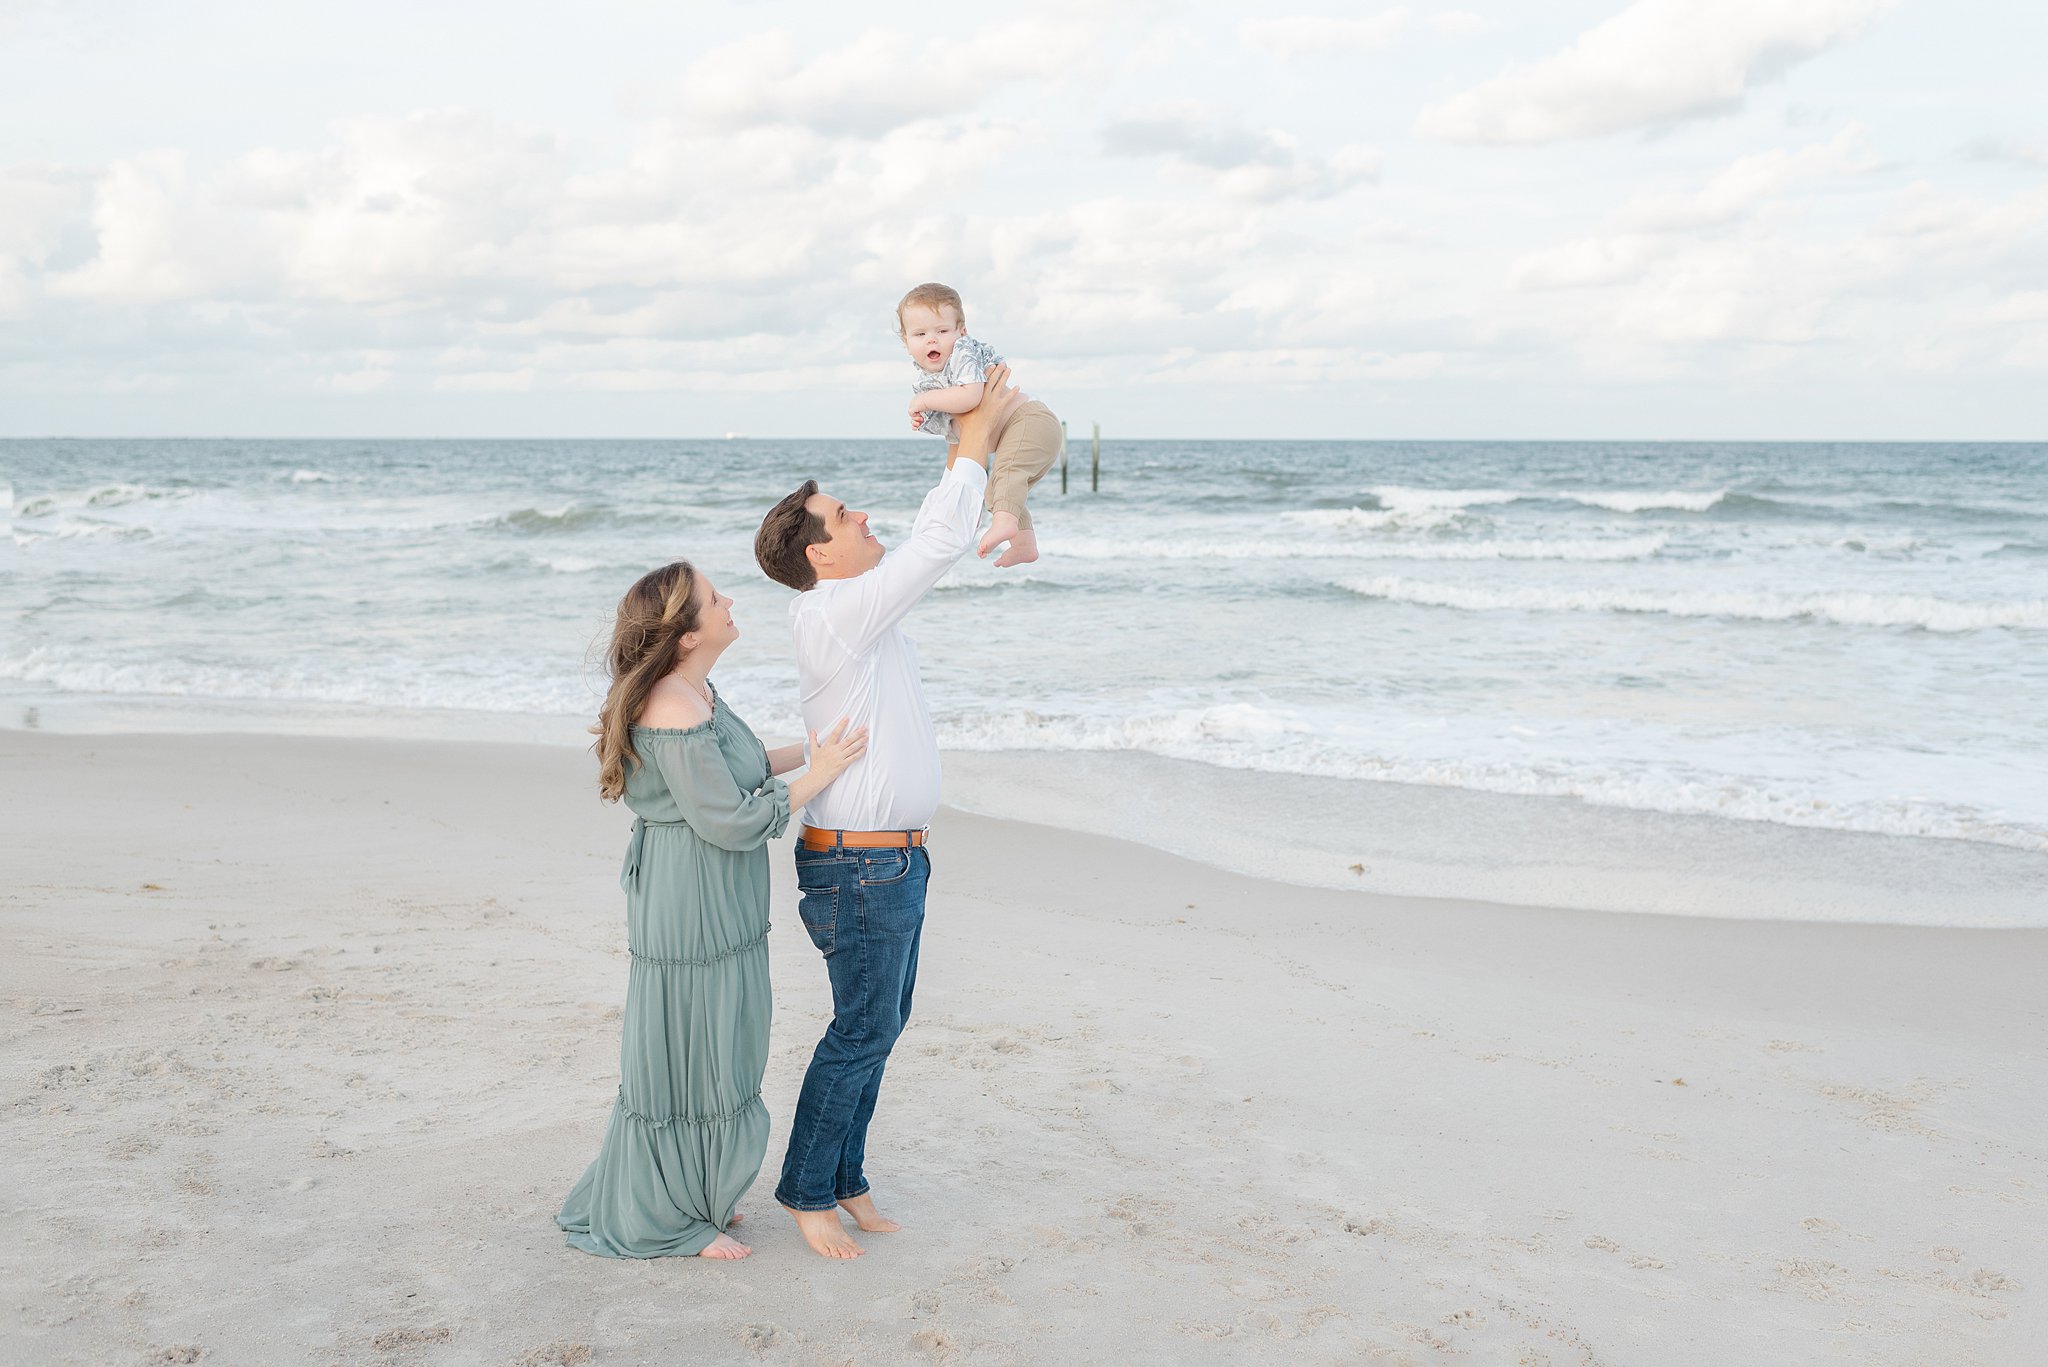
point(316, 1095)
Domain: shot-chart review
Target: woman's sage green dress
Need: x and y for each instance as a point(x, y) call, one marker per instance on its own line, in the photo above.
point(687, 1136)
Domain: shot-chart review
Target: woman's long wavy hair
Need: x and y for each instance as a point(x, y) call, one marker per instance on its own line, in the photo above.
point(654, 616)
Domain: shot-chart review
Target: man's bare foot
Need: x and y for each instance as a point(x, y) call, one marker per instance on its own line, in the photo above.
point(826, 1236)
point(1023, 550)
point(1001, 527)
point(725, 1247)
point(871, 1221)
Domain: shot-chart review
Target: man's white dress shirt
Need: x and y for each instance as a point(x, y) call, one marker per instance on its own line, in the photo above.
point(854, 661)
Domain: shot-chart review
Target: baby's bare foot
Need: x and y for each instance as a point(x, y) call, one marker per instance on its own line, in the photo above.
point(826, 1236)
point(871, 1221)
point(725, 1247)
point(1001, 527)
point(1023, 550)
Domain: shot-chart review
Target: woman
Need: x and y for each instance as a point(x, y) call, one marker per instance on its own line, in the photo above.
point(687, 1135)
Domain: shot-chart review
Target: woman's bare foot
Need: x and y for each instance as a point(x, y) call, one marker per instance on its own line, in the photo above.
point(826, 1236)
point(1023, 550)
point(736, 1219)
point(1001, 527)
point(871, 1221)
point(726, 1247)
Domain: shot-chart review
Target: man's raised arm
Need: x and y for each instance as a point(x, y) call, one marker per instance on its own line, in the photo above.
point(862, 608)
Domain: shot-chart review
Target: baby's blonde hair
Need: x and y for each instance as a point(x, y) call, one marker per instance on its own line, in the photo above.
point(934, 297)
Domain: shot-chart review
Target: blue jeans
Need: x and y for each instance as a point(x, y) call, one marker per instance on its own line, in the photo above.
point(864, 910)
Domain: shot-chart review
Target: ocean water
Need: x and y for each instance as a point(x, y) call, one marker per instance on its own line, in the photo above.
point(1844, 637)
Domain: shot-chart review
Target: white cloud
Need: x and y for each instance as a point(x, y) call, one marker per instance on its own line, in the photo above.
point(1750, 292)
point(1265, 165)
point(2027, 306)
point(36, 204)
point(1458, 23)
point(487, 382)
point(2013, 151)
point(150, 248)
point(1655, 62)
point(438, 201)
point(1745, 183)
point(1300, 367)
point(1640, 237)
point(1584, 263)
point(877, 82)
point(1315, 35)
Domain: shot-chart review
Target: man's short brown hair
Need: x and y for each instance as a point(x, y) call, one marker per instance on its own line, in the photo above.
point(789, 529)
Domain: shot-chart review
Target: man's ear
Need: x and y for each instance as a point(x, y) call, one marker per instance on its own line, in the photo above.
point(818, 555)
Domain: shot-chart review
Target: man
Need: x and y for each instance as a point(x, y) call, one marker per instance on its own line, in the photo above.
point(862, 863)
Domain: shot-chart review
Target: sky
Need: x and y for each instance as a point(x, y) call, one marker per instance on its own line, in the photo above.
point(1586, 219)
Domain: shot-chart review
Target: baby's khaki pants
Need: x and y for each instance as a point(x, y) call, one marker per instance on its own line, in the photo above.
point(1026, 446)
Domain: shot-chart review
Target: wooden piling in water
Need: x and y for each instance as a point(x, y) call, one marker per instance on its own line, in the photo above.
point(1095, 463)
point(1063, 457)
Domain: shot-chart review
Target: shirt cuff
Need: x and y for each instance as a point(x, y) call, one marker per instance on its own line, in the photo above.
point(968, 473)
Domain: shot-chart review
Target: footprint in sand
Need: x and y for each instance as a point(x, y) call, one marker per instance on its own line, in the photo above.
point(1815, 1278)
point(935, 1344)
point(1428, 1338)
point(1136, 1212)
point(398, 1340)
point(132, 1147)
point(555, 1355)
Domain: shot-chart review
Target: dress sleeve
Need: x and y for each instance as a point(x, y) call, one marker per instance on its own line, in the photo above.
point(712, 802)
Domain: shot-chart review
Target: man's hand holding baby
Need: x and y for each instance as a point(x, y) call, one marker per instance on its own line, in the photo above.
point(977, 426)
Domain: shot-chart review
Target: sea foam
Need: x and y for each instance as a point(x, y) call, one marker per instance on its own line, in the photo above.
point(1845, 609)
point(1191, 548)
point(1281, 740)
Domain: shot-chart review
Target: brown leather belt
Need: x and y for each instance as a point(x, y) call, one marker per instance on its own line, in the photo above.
point(815, 839)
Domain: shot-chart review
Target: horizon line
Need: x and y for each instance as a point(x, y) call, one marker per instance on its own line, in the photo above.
point(1073, 441)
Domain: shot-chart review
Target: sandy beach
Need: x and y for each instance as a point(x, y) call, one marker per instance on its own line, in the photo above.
point(305, 1039)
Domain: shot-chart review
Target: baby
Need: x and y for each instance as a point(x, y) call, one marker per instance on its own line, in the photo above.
point(951, 367)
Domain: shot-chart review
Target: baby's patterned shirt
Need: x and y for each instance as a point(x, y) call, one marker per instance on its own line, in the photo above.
point(969, 364)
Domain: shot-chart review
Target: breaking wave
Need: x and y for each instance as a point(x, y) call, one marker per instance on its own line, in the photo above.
point(1405, 499)
point(1630, 548)
point(1846, 609)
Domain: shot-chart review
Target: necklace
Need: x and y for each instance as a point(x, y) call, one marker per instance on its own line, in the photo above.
point(702, 690)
